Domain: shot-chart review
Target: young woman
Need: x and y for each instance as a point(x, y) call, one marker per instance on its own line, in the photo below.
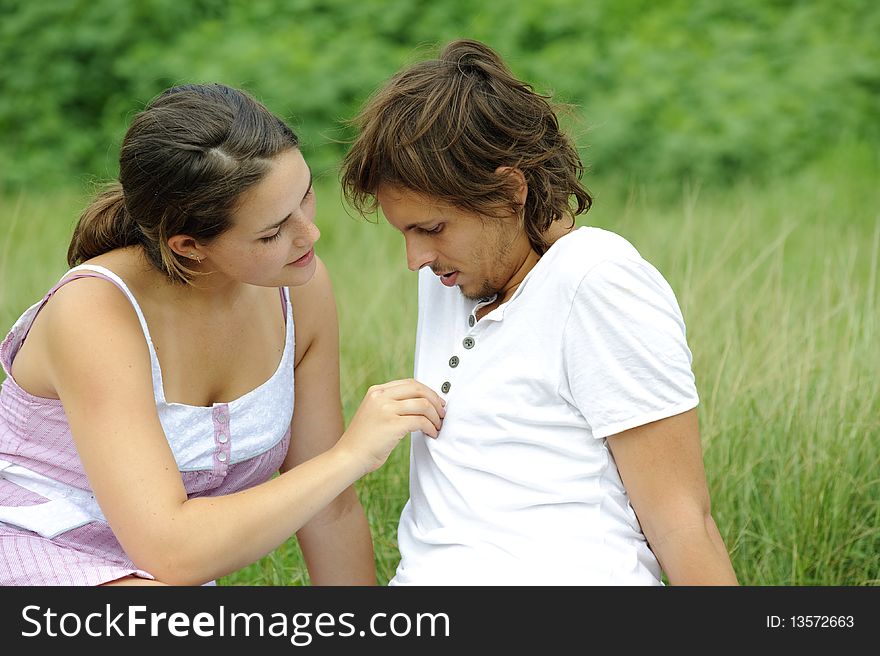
point(189, 354)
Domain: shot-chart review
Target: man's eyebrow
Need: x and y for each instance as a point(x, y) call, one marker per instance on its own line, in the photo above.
point(411, 226)
point(275, 225)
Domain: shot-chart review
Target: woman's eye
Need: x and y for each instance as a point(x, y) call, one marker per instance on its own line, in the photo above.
point(266, 240)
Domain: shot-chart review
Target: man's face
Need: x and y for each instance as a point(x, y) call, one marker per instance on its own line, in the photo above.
point(478, 254)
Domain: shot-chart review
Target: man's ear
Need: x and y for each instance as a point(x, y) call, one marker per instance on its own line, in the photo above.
point(517, 182)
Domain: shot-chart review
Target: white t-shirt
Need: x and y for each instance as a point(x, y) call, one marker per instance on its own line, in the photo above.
point(520, 487)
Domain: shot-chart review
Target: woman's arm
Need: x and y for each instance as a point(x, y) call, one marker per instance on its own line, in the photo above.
point(661, 466)
point(336, 543)
point(100, 367)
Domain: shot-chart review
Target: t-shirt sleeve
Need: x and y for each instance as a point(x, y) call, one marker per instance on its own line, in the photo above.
point(625, 354)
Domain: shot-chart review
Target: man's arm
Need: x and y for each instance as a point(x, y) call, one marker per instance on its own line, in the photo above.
point(661, 466)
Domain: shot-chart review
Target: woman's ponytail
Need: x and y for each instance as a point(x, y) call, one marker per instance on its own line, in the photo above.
point(103, 226)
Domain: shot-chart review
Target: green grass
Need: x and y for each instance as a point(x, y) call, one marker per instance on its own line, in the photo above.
point(778, 283)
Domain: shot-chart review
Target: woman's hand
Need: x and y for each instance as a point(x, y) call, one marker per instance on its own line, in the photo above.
point(387, 413)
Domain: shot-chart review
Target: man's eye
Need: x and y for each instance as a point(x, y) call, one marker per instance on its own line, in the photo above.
point(434, 230)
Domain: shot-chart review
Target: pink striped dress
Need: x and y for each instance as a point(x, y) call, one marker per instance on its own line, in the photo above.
point(52, 531)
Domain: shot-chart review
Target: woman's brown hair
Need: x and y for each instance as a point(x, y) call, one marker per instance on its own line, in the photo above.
point(185, 161)
point(442, 127)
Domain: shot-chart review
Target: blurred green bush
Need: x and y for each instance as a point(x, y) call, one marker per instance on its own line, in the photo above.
point(701, 89)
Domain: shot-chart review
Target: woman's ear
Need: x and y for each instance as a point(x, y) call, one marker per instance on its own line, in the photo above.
point(186, 247)
point(518, 182)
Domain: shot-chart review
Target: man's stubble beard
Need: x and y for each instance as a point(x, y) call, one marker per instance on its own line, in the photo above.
point(501, 247)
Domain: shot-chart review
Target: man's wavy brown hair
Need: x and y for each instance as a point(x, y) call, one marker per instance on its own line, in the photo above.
point(443, 127)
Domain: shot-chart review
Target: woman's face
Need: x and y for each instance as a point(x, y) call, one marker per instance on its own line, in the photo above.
point(272, 233)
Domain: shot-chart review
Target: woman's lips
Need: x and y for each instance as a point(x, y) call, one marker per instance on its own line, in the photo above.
point(304, 260)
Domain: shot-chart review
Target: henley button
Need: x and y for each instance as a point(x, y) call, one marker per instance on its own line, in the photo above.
point(453, 361)
point(445, 387)
point(221, 456)
point(468, 342)
point(471, 321)
point(222, 438)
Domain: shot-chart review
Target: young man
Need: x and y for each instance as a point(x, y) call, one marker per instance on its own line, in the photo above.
point(570, 450)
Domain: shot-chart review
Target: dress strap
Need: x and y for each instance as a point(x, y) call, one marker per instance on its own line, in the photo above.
point(95, 271)
point(285, 293)
point(20, 331)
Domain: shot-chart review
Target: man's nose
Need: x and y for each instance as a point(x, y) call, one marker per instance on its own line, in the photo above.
point(417, 255)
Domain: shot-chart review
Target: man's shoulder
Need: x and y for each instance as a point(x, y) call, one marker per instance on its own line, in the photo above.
point(577, 253)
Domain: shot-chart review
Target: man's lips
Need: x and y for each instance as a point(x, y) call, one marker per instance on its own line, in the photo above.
point(448, 279)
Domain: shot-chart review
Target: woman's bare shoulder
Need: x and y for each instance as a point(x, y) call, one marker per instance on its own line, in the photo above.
point(84, 319)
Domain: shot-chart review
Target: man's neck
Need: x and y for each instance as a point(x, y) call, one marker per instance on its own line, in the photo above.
point(556, 231)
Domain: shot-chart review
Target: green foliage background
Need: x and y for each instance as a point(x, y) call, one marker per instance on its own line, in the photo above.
point(663, 90)
point(736, 144)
